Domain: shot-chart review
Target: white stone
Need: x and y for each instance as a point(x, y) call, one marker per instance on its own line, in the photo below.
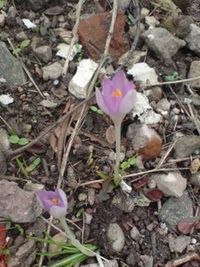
point(171, 184)
point(63, 50)
point(144, 111)
point(125, 187)
point(6, 99)
point(29, 24)
point(78, 84)
point(143, 73)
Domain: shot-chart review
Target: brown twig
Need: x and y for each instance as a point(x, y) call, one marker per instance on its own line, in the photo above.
point(183, 259)
point(74, 38)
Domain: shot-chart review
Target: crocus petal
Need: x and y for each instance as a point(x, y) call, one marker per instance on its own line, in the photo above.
point(127, 102)
point(57, 211)
point(120, 81)
point(63, 196)
point(100, 102)
point(107, 87)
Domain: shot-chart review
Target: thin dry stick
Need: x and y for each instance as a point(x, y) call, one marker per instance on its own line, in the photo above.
point(25, 69)
point(90, 88)
point(74, 38)
point(153, 171)
point(174, 82)
point(162, 160)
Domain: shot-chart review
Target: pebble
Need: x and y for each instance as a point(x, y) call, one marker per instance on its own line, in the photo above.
point(60, 237)
point(144, 112)
point(195, 179)
point(154, 94)
point(163, 106)
point(52, 71)
point(143, 73)
point(21, 36)
point(144, 12)
point(179, 244)
point(186, 146)
point(145, 141)
point(175, 209)
point(2, 20)
point(123, 202)
point(171, 184)
point(82, 197)
point(194, 72)
point(116, 237)
point(163, 43)
point(44, 53)
point(16, 204)
point(151, 21)
point(135, 234)
point(193, 39)
point(78, 84)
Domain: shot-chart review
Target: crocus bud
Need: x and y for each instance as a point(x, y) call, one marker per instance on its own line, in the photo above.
point(55, 202)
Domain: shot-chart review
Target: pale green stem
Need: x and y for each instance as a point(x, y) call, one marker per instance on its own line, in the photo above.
point(117, 177)
point(73, 239)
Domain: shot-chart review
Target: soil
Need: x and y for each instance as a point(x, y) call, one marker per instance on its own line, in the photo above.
point(29, 119)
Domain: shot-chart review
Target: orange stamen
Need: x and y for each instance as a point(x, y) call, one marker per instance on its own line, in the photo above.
point(117, 93)
point(55, 201)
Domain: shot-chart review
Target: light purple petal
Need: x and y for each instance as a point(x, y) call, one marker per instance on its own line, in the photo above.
point(63, 196)
point(43, 196)
point(100, 102)
point(120, 81)
point(128, 102)
point(57, 212)
point(107, 87)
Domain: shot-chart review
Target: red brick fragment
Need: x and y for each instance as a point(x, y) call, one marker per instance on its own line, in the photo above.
point(93, 32)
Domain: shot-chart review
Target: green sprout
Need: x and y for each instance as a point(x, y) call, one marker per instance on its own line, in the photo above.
point(96, 110)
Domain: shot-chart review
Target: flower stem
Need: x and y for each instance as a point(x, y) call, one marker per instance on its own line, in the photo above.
point(73, 239)
point(117, 178)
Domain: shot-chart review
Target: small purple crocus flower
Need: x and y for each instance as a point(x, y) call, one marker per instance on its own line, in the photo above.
point(117, 97)
point(55, 202)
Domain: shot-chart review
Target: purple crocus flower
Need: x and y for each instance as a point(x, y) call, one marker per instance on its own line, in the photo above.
point(55, 202)
point(117, 97)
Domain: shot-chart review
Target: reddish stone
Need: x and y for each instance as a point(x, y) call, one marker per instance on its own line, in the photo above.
point(93, 33)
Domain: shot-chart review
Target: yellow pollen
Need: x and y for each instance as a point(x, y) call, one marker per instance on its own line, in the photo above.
point(55, 201)
point(117, 93)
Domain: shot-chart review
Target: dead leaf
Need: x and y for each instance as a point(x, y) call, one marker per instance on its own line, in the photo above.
point(154, 194)
point(185, 226)
point(195, 165)
point(140, 183)
point(110, 134)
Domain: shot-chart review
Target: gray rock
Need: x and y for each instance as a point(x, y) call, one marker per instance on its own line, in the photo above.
point(193, 39)
point(195, 179)
point(176, 209)
point(2, 20)
point(135, 234)
point(16, 204)
point(179, 244)
point(163, 43)
point(116, 237)
point(38, 4)
point(21, 36)
point(11, 15)
point(123, 202)
point(186, 146)
point(10, 68)
point(52, 71)
point(194, 72)
point(44, 53)
point(24, 256)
